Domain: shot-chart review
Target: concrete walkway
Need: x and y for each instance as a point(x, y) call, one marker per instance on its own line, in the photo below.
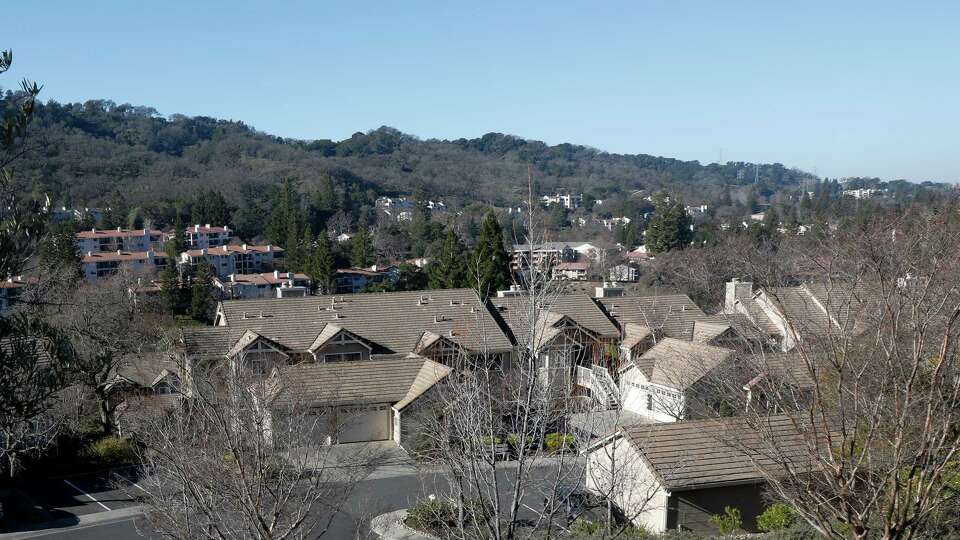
point(77, 522)
point(390, 526)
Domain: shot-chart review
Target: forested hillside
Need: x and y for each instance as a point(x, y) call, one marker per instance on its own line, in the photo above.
point(86, 153)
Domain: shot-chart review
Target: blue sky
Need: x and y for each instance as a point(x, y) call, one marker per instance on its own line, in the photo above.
point(838, 88)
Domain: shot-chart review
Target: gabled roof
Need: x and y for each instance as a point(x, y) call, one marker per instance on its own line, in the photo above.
point(697, 454)
point(398, 381)
point(672, 314)
point(706, 331)
point(247, 339)
point(393, 321)
point(679, 364)
point(330, 331)
point(146, 369)
point(634, 334)
point(581, 308)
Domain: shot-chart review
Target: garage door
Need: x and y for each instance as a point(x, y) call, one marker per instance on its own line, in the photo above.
point(362, 424)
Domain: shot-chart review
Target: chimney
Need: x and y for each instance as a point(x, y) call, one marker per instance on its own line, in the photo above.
point(269, 248)
point(232, 278)
point(276, 274)
point(736, 290)
point(89, 254)
point(207, 225)
point(244, 247)
point(196, 228)
point(119, 229)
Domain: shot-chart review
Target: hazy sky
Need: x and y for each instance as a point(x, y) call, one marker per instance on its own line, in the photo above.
point(840, 88)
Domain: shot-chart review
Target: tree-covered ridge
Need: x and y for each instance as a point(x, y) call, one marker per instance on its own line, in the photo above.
point(89, 151)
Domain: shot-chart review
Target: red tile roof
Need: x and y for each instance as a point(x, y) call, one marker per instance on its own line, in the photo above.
point(234, 249)
point(115, 233)
point(15, 282)
point(106, 256)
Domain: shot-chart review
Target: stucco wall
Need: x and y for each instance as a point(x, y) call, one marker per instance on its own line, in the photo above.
point(616, 469)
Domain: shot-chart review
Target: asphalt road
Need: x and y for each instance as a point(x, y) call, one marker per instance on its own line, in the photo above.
point(380, 494)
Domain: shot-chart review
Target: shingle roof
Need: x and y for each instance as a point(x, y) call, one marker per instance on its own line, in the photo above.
point(232, 249)
point(398, 381)
point(633, 334)
point(702, 453)
point(114, 233)
point(582, 309)
point(672, 314)
point(144, 369)
point(96, 256)
point(679, 364)
point(393, 321)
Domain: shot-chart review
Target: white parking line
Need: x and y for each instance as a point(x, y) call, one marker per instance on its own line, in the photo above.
point(131, 482)
point(82, 492)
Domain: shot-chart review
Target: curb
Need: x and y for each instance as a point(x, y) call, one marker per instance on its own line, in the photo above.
point(79, 522)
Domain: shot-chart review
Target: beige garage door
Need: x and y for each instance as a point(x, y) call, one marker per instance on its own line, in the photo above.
point(363, 424)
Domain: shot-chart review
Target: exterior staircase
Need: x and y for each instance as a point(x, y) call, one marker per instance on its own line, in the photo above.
point(603, 387)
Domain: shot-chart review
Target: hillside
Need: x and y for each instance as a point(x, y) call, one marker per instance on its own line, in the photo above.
point(88, 152)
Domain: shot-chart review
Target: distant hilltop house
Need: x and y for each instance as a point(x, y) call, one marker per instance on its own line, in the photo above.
point(63, 213)
point(615, 222)
point(700, 209)
point(624, 272)
point(863, 193)
point(567, 200)
point(401, 208)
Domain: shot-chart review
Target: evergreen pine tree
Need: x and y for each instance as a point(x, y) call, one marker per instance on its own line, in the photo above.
point(669, 227)
point(491, 259)
point(201, 292)
point(448, 269)
point(361, 252)
point(179, 232)
point(322, 267)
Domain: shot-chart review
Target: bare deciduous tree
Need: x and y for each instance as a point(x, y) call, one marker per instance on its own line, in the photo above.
point(223, 465)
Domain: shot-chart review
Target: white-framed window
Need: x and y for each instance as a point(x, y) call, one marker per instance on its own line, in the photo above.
point(649, 402)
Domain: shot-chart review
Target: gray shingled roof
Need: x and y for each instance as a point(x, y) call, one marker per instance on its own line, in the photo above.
point(144, 369)
point(704, 453)
point(397, 381)
point(582, 309)
point(394, 322)
point(679, 364)
point(672, 314)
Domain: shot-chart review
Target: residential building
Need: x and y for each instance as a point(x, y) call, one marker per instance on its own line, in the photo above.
point(120, 240)
point(549, 253)
point(355, 280)
point(615, 223)
point(863, 193)
point(573, 271)
point(99, 264)
point(693, 210)
point(676, 476)
point(235, 259)
point(445, 326)
point(672, 380)
point(274, 284)
point(624, 272)
point(200, 237)
point(784, 315)
point(574, 335)
point(569, 201)
point(11, 288)
point(357, 401)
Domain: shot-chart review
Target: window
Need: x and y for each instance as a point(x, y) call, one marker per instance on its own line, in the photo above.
point(649, 402)
point(343, 357)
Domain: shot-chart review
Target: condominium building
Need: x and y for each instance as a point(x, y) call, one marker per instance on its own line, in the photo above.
point(99, 264)
point(139, 240)
point(274, 284)
point(205, 236)
point(235, 259)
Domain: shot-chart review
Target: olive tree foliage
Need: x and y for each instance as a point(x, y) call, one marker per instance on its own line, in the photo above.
point(31, 353)
point(227, 463)
point(871, 382)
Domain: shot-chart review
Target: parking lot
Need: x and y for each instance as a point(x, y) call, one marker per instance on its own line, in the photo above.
point(65, 500)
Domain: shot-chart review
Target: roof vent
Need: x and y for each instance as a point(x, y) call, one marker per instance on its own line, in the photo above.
point(337, 315)
point(454, 302)
point(243, 315)
point(439, 318)
point(422, 300)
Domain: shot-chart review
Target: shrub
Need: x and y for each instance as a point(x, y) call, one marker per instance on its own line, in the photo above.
point(728, 522)
point(109, 452)
point(487, 440)
point(558, 441)
point(776, 518)
point(432, 514)
point(585, 528)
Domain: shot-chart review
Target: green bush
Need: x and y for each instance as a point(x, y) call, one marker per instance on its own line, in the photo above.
point(432, 514)
point(558, 441)
point(776, 518)
point(110, 452)
point(585, 528)
point(728, 522)
point(487, 440)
